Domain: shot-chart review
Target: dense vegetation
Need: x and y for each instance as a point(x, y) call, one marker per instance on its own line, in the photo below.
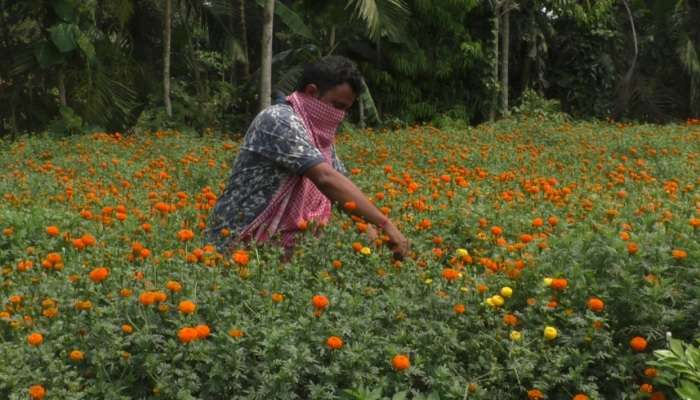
point(550, 259)
point(72, 66)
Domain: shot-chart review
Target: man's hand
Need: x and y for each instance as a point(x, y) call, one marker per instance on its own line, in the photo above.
point(340, 189)
point(398, 244)
point(372, 233)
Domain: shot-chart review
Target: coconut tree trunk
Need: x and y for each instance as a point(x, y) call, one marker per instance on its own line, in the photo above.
point(495, 60)
point(62, 86)
point(505, 39)
point(244, 39)
point(167, 20)
point(266, 59)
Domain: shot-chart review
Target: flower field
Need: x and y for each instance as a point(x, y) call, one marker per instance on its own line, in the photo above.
point(550, 260)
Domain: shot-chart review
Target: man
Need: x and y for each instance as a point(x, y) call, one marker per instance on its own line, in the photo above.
point(287, 172)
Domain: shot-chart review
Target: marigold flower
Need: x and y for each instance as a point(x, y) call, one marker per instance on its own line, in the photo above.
point(535, 394)
point(187, 307)
point(537, 222)
point(53, 230)
point(400, 362)
point(350, 206)
point(173, 286)
point(650, 372)
point(241, 257)
point(496, 230)
point(459, 308)
point(632, 248)
point(334, 343)
point(319, 301)
point(277, 297)
point(595, 304)
point(580, 396)
point(126, 328)
point(510, 320)
point(638, 344)
point(187, 334)
point(147, 298)
point(550, 333)
point(559, 284)
point(646, 388)
point(88, 239)
point(99, 274)
point(76, 356)
point(450, 274)
point(203, 331)
point(185, 235)
point(679, 254)
point(236, 333)
point(35, 339)
point(37, 392)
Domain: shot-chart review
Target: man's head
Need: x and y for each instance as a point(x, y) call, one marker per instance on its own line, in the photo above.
point(334, 80)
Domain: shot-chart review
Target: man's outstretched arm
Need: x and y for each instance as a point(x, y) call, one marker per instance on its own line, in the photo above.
point(340, 189)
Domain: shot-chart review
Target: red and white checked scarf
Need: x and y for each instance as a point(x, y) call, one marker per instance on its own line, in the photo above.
point(298, 199)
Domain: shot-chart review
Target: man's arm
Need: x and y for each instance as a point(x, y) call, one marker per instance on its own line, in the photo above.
point(340, 189)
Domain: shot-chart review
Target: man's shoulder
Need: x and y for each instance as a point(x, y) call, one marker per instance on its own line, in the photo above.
point(278, 112)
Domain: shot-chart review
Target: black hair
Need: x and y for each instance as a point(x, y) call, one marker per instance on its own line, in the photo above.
point(331, 71)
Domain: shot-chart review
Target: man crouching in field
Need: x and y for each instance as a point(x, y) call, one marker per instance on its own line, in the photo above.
point(287, 172)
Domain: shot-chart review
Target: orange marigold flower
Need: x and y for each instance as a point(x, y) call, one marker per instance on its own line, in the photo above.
point(595, 304)
point(203, 331)
point(126, 328)
point(657, 396)
point(186, 307)
point(350, 206)
point(162, 207)
point(319, 301)
point(35, 339)
point(147, 298)
point(277, 297)
point(88, 239)
point(646, 388)
point(241, 257)
point(78, 244)
point(37, 392)
point(638, 344)
point(459, 308)
point(173, 286)
point(357, 246)
point(400, 362)
point(535, 394)
point(99, 274)
point(632, 248)
point(679, 254)
point(337, 264)
point(496, 230)
point(334, 343)
point(236, 333)
point(510, 320)
point(160, 296)
point(580, 396)
point(187, 334)
point(450, 274)
point(537, 222)
point(650, 372)
point(53, 230)
point(559, 284)
point(185, 235)
point(76, 356)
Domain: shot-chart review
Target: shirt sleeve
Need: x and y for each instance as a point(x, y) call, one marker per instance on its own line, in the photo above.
point(278, 135)
point(338, 163)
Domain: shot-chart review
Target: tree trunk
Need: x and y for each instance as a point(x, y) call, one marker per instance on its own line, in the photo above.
point(62, 86)
point(625, 87)
point(361, 108)
point(266, 51)
point(505, 39)
point(167, 19)
point(332, 42)
point(494, 61)
point(244, 40)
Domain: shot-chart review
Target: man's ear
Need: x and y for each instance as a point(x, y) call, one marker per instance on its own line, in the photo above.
point(311, 90)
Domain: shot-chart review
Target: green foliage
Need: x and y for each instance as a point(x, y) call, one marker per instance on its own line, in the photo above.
point(534, 105)
point(680, 368)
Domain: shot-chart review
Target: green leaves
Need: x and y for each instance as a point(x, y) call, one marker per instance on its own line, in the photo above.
point(63, 37)
point(47, 55)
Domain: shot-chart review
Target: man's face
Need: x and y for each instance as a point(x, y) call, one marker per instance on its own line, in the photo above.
point(341, 96)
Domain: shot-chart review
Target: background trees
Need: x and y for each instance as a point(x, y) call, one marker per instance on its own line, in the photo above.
point(71, 66)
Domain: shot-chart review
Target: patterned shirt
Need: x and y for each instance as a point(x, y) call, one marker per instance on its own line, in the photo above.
point(275, 146)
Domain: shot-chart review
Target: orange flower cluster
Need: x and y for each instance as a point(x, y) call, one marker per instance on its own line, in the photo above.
point(190, 334)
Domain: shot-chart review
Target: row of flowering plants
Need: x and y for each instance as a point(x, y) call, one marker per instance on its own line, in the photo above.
point(548, 261)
